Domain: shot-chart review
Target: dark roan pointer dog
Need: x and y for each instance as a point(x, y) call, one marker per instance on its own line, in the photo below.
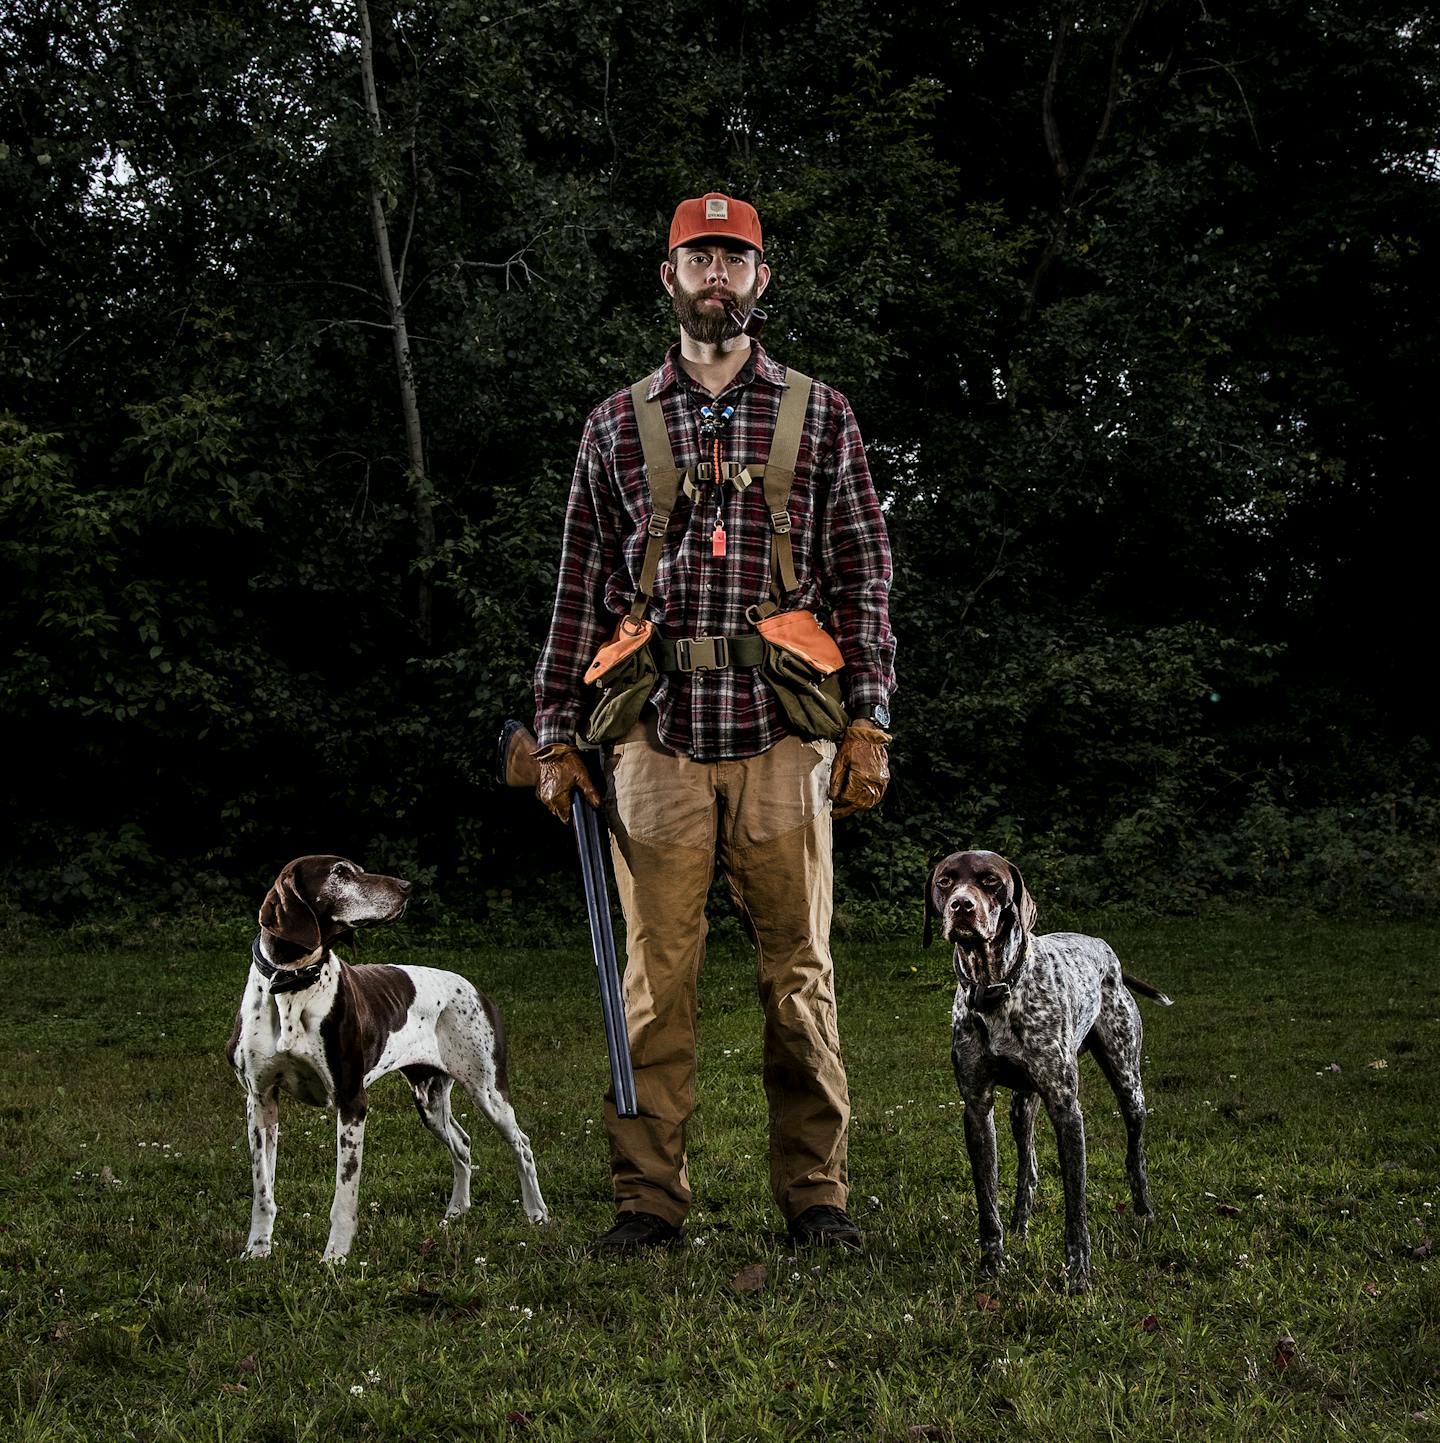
point(1026, 1007)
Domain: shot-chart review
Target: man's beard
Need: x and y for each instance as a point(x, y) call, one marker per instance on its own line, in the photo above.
point(709, 325)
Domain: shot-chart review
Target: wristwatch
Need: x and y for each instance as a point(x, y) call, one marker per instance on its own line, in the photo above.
point(879, 713)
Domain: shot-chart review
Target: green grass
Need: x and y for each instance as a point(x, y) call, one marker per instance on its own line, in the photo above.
point(125, 1203)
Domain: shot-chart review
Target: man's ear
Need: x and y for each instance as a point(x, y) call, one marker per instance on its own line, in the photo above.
point(288, 915)
point(762, 279)
point(667, 277)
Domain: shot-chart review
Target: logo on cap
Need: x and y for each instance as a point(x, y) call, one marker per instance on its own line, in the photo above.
point(717, 208)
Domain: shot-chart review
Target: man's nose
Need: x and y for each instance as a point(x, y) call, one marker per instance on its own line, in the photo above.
point(719, 272)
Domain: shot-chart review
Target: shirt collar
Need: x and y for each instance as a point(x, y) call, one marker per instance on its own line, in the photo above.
point(759, 367)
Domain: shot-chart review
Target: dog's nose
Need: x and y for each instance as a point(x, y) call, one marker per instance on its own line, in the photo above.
point(405, 887)
point(961, 902)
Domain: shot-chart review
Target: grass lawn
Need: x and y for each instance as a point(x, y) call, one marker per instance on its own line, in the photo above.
point(1285, 1291)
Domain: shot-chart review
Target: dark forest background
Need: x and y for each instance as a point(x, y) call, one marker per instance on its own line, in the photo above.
point(1137, 304)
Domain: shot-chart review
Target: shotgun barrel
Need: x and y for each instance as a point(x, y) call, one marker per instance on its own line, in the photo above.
point(516, 767)
point(589, 826)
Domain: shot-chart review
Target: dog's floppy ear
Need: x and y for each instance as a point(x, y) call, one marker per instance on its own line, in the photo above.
point(1024, 903)
point(931, 911)
point(287, 914)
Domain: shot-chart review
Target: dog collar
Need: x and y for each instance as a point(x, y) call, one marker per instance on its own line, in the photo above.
point(285, 979)
point(987, 999)
point(996, 994)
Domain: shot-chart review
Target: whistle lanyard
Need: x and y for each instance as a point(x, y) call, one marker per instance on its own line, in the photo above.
point(712, 423)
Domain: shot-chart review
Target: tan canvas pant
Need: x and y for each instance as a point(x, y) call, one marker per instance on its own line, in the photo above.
point(767, 821)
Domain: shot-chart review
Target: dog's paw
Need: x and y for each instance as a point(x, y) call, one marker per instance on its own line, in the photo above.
point(255, 1252)
point(1077, 1283)
point(992, 1263)
point(539, 1216)
point(331, 1255)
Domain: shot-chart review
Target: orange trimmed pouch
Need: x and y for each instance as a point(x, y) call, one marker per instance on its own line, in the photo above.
point(800, 632)
point(801, 666)
point(625, 673)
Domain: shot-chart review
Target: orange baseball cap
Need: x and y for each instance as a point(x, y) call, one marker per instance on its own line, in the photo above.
point(716, 217)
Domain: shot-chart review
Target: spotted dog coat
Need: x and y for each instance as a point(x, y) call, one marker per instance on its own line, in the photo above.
point(323, 1031)
point(1026, 1007)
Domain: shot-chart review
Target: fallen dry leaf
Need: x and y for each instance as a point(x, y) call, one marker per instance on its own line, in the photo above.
point(986, 1303)
point(1379, 1062)
point(248, 1364)
point(1227, 1210)
point(1423, 1250)
point(926, 1430)
point(1334, 1067)
point(238, 1390)
point(1150, 1323)
point(427, 1247)
point(1370, 1290)
point(520, 1420)
point(1285, 1351)
point(751, 1278)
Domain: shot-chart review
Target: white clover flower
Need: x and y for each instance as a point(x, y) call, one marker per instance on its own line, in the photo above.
point(356, 1390)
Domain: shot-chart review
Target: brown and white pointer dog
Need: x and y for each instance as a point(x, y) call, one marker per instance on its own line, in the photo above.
point(322, 1030)
point(1026, 1007)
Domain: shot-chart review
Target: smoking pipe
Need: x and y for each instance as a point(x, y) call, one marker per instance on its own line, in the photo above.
point(748, 323)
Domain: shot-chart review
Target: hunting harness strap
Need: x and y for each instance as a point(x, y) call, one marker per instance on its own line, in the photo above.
point(777, 475)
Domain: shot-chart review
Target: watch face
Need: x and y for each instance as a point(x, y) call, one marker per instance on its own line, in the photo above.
point(881, 715)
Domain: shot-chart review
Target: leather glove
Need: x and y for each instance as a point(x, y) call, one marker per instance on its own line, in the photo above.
point(862, 769)
point(562, 769)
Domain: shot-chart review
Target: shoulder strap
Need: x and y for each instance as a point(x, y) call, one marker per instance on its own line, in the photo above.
point(780, 477)
point(664, 480)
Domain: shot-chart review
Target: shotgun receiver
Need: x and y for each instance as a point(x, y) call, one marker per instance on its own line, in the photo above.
point(516, 766)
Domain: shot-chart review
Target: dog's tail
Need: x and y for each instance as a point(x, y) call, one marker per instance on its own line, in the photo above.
point(1146, 989)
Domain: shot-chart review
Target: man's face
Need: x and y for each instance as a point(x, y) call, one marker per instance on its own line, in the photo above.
point(701, 277)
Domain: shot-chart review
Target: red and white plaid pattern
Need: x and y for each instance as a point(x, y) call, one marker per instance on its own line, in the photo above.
point(842, 560)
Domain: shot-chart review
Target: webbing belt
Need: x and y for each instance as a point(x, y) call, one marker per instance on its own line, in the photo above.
point(707, 653)
point(777, 475)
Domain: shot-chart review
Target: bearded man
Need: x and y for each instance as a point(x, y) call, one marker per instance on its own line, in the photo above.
point(741, 753)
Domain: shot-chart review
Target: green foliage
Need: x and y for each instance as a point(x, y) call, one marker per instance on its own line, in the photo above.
point(1137, 309)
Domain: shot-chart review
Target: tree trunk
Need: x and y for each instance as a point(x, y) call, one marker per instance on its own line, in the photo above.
point(392, 279)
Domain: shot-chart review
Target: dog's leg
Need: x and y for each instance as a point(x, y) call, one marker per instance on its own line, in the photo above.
point(493, 1103)
point(984, 1168)
point(478, 1064)
point(349, 1151)
point(1063, 1105)
point(1023, 1107)
point(262, 1123)
point(432, 1101)
point(1117, 1050)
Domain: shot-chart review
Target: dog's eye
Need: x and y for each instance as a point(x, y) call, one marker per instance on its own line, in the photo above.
point(989, 883)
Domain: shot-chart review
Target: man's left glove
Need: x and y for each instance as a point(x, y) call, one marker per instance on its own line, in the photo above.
point(562, 769)
point(862, 769)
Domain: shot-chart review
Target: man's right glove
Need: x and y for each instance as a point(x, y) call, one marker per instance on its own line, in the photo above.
point(562, 769)
point(862, 769)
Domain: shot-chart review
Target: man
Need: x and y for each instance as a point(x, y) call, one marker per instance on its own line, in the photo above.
point(712, 770)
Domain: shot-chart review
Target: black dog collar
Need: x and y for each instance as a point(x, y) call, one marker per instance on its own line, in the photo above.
point(285, 979)
point(987, 999)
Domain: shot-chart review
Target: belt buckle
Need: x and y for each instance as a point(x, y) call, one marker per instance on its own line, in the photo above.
point(702, 653)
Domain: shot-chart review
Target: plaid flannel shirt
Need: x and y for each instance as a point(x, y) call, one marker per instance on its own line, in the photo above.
point(842, 560)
